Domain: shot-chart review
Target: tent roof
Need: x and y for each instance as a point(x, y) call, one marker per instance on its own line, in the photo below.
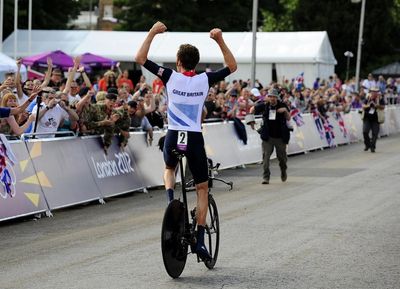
point(390, 69)
point(272, 47)
point(8, 64)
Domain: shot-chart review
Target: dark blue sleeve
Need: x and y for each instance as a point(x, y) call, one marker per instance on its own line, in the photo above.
point(5, 112)
point(162, 72)
point(218, 75)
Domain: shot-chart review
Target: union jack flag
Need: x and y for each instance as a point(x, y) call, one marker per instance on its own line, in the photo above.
point(296, 116)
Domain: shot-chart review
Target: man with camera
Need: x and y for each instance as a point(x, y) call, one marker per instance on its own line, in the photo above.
point(373, 106)
point(274, 132)
point(52, 113)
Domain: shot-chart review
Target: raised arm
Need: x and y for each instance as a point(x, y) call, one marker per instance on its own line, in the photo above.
point(71, 74)
point(141, 55)
point(229, 59)
point(18, 84)
point(86, 79)
point(48, 73)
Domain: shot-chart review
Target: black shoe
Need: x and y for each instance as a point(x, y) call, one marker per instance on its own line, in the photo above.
point(366, 148)
point(283, 175)
point(202, 252)
point(372, 150)
point(265, 182)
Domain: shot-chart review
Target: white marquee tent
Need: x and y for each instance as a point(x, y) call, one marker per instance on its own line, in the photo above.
point(7, 65)
point(290, 52)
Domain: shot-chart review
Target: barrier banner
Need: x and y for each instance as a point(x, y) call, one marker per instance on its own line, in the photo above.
point(353, 124)
point(20, 190)
point(252, 151)
point(63, 171)
point(115, 173)
point(312, 137)
point(148, 158)
point(220, 142)
point(339, 128)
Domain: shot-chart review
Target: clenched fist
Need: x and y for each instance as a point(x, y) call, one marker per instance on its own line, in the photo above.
point(158, 28)
point(216, 34)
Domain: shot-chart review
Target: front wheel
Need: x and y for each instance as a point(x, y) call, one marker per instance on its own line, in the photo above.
point(212, 232)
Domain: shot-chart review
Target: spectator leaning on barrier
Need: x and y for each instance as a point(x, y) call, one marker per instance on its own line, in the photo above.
point(373, 105)
point(210, 104)
point(104, 118)
point(274, 132)
point(9, 125)
point(8, 111)
point(71, 123)
point(139, 120)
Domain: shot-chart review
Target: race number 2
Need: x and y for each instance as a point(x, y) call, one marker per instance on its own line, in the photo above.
point(182, 140)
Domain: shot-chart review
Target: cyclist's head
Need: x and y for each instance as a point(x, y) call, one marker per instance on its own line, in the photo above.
point(188, 56)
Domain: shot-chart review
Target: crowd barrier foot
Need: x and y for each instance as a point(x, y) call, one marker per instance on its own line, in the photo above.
point(101, 201)
point(49, 214)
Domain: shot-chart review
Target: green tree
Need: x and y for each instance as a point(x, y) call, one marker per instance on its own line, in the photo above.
point(340, 18)
point(46, 14)
point(186, 15)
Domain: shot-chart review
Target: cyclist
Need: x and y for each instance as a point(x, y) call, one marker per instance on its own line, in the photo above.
point(186, 94)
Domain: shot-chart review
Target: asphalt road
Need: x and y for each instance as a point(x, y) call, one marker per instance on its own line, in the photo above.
point(334, 224)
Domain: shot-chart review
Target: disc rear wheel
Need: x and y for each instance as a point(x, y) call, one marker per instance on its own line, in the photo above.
point(174, 249)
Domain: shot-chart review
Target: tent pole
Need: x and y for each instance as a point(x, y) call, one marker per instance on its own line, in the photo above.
point(15, 28)
point(253, 52)
point(30, 28)
point(1, 24)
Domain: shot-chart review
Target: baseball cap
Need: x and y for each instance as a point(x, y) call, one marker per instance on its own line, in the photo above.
point(254, 91)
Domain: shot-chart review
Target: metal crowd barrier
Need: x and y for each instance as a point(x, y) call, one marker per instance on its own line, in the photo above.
point(64, 171)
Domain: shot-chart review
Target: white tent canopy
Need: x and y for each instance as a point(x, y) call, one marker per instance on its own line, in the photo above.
point(290, 52)
point(7, 65)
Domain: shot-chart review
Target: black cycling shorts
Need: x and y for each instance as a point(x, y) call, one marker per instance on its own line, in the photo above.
point(195, 154)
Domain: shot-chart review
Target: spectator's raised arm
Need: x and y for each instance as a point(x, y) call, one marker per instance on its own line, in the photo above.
point(71, 74)
point(18, 84)
point(86, 79)
point(48, 73)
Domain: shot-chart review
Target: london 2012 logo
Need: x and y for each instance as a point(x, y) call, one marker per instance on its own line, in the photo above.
point(7, 174)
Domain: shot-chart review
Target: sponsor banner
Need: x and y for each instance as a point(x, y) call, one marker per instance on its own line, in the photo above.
point(115, 172)
point(221, 145)
point(63, 171)
point(20, 190)
point(149, 159)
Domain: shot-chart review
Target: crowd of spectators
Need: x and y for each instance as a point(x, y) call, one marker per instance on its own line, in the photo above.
point(114, 105)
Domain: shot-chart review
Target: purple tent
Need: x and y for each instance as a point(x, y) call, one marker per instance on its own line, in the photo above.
point(94, 61)
point(59, 58)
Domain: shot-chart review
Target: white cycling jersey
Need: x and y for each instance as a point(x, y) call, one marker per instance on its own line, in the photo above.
point(186, 96)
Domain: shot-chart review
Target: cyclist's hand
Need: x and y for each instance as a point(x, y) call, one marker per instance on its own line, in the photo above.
point(216, 34)
point(158, 28)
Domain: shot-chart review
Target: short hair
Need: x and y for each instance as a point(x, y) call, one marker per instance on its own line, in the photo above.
point(101, 96)
point(132, 104)
point(189, 56)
